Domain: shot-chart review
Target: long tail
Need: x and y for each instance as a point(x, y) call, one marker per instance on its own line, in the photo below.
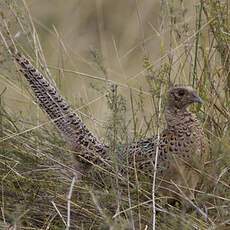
point(69, 124)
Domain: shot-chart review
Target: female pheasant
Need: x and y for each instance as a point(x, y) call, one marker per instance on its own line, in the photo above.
point(182, 147)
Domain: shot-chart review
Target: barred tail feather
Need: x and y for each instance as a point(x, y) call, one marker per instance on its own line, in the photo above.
point(69, 124)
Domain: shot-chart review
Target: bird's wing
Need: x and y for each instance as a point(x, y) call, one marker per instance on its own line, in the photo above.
point(68, 123)
point(140, 154)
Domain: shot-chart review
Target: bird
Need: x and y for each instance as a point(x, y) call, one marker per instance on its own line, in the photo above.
point(181, 146)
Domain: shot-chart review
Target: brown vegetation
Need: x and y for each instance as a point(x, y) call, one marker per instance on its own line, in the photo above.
point(88, 47)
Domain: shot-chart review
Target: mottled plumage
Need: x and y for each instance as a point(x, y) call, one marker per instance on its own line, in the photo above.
point(182, 147)
point(69, 124)
point(182, 150)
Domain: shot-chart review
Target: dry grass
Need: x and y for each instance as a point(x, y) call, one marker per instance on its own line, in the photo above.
point(114, 61)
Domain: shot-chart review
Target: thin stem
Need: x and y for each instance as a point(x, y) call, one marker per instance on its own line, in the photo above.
point(155, 163)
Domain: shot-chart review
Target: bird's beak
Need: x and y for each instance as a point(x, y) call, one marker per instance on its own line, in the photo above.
point(196, 98)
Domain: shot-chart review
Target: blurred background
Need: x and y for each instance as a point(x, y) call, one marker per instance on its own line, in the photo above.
point(85, 47)
point(112, 40)
point(113, 61)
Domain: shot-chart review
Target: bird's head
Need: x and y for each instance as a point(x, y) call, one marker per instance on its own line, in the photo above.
point(180, 97)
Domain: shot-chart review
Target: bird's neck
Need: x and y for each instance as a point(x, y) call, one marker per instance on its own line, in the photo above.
point(179, 117)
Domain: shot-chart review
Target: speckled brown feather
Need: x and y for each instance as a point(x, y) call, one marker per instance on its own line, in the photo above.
point(69, 124)
point(182, 151)
point(182, 146)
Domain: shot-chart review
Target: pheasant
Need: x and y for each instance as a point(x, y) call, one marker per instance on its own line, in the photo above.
point(181, 148)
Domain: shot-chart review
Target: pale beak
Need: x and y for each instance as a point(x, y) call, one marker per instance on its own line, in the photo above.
point(197, 99)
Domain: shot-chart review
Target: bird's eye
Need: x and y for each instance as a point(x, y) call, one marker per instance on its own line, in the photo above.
point(181, 92)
